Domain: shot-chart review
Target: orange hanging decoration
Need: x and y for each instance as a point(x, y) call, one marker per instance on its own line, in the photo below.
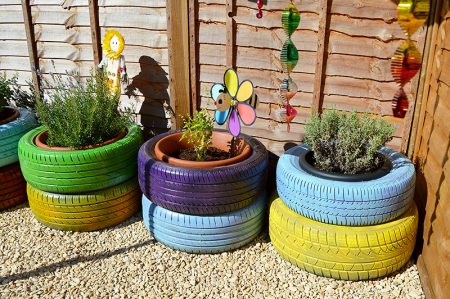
point(406, 62)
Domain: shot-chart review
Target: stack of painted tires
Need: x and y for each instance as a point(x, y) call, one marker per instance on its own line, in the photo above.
point(352, 230)
point(203, 210)
point(12, 184)
point(82, 190)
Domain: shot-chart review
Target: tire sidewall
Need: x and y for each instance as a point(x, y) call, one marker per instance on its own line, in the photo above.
point(401, 175)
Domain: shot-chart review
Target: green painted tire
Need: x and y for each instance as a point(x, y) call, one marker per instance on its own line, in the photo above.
point(343, 252)
point(85, 212)
point(79, 171)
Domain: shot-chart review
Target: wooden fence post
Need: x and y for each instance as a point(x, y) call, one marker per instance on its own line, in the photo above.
point(95, 31)
point(231, 33)
point(193, 56)
point(31, 42)
point(178, 44)
point(322, 55)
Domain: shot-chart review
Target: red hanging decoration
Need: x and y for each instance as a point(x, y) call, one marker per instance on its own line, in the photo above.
point(400, 104)
point(405, 63)
point(260, 4)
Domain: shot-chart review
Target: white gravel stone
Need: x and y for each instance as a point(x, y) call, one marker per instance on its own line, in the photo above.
point(125, 262)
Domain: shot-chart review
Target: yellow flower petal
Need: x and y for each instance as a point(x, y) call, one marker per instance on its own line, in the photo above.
point(245, 91)
point(231, 82)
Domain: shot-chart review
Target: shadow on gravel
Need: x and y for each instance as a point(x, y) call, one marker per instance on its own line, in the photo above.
point(70, 262)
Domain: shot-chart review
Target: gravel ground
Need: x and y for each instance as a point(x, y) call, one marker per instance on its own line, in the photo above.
point(125, 261)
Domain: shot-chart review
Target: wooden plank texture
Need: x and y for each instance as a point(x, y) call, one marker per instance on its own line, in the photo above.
point(431, 152)
point(322, 56)
point(178, 45)
point(31, 42)
point(95, 31)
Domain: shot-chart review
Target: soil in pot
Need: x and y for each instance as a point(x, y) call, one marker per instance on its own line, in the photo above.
point(8, 114)
point(41, 141)
point(212, 154)
point(170, 147)
point(308, 164)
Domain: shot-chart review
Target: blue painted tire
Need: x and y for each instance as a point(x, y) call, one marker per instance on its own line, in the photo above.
point(10, 134)
point(346, 203)
point(204, 234)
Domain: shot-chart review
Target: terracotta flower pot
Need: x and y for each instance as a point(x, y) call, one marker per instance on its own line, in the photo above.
point(167, 147)
point(41, 141)
point(8, 114)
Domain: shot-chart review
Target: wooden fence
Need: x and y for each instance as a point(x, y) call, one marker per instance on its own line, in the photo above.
point(344, 48)
point(431, 153)
point(60, 32)
point(344, 59)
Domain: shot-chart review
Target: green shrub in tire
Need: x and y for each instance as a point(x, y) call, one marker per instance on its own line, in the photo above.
point(75, 171)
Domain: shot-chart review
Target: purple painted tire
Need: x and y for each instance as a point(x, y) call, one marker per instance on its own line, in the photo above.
point(198, 191)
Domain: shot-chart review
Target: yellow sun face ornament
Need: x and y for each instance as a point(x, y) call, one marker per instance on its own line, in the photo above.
point(113, 44)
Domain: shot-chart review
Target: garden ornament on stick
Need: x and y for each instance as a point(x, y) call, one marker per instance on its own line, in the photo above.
point(406, 62)
point(231, 100)
point(290, 19)
point(113, 61)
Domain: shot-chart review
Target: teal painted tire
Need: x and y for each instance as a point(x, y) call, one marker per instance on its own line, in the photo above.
point(70, 172)
point(10, 134)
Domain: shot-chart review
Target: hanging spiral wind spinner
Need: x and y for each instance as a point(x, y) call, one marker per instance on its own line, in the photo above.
point(407, 60)
point(290, 19)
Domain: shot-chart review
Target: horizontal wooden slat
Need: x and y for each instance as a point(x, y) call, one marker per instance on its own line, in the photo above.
point(255, 58)
point(248, 36)
point(246, 16)
point(145, 18)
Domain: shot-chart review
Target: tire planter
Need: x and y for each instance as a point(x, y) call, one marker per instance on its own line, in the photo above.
point(343, 252)
point(10, 134)
point(346, 203)
point(12, 186)
point(79, 171)
point(203, 191)
point(87, 211)
point(204, 234)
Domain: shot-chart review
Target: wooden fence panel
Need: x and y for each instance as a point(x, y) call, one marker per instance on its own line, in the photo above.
point(362, 39)
point(432, 154)
point(144, 27)
point(14, 58)
point(62, 35)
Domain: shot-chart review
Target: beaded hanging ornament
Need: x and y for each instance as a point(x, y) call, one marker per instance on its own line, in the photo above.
point(259, 4)
point(406, 62)
point(290, 20)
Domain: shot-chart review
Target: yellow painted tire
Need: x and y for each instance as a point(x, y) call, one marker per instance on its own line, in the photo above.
point(85, 212)
point(342, 252)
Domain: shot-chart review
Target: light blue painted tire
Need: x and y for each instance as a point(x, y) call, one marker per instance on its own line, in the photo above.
point(346, 203)
point(204, 234)
point(10, 134)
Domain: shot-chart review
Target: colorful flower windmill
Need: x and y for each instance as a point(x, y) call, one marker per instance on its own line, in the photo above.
point(231, 99)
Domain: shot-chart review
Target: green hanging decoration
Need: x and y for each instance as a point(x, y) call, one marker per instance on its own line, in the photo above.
point(289, 56)
point(290, 20)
